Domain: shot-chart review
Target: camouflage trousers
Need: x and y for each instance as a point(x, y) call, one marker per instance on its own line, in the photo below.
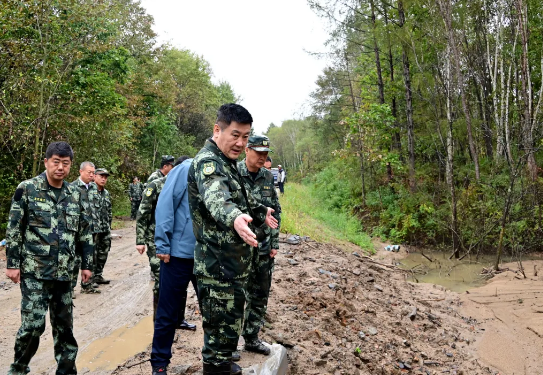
point(154, 263)
point(38, 296)
point(102, 245)
point(258, 292)
point(221, 304)
point(135, 206)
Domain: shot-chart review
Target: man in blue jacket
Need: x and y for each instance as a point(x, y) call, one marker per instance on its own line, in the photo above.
point(175, 241)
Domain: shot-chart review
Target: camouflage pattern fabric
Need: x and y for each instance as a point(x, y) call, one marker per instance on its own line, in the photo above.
point(44, 235)
point(146, 224)
point(259, 282)
point(258, 292)
point(38, 296)
point(90, 200)
point(154, 176)
point(135, 192)
point(221, 305)
point(263, 190)
point(216, 199)
point(103, 232)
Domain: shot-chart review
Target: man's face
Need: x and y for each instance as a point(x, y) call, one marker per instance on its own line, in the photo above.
point(233, 139)
point(87, 174)
point(255, 159)
point(166, 169)
point(267, 165)
point(101, 180)
point(57, 167)
point(135, 180)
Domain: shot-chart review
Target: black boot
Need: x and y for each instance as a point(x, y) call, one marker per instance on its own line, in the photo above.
point(256, 346)
point(160, 371)
point(222, 369)
point(235, 369)
point(236, 356)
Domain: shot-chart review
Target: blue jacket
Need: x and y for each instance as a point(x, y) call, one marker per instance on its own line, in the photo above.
point(173, 233)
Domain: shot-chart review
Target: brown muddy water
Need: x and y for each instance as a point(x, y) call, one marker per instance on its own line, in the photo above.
point(454, 275)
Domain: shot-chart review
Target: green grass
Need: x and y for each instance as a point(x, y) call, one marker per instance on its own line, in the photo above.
point(303, 214)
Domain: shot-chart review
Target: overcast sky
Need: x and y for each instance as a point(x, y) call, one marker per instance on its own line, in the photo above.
point(258, 47)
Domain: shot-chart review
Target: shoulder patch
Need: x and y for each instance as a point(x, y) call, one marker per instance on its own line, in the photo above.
point(18, 195)
point(148, 192)
point(209, 168)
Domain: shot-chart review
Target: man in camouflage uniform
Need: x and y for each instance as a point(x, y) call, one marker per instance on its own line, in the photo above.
point(135, 192)
point(102, 229)
point(166, 165)
point(47, 226)
point(221, 211)
point(89, 196)
point(145, 235)
point(258, 182)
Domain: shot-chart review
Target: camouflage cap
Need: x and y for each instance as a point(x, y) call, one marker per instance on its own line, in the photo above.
point(259, 143)
point(168, 159)
point(102, 171)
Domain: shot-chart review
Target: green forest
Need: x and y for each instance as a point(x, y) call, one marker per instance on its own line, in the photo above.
point(424, 126)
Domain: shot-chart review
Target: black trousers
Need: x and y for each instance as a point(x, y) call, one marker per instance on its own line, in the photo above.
point(281, 187)
point(174, 280)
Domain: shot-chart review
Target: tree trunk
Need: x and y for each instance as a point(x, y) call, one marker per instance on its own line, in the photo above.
point(408, 103)
point(380, 83)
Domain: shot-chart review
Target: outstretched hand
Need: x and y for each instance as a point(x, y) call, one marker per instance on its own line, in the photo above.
point(241, 226)
point(270, 220)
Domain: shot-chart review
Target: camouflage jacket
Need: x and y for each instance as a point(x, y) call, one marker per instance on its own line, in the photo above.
point(154, 176)
point(103, 213)
point(90, 200)
point(145, 222)
point(216, 199)
point(263, 190)
point(135, 191)
point(44, 235)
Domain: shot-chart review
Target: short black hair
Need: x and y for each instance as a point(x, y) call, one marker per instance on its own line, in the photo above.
point(233, 112)
point(165, 162)
point(269, 159)
point(181, 159)
point(61, 149)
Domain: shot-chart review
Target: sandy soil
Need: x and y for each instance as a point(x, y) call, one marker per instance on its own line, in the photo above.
point(510, 310)
point(98, 319)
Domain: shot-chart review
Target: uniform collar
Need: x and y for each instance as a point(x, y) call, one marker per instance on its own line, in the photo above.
point(45, 186)
point(244, 171)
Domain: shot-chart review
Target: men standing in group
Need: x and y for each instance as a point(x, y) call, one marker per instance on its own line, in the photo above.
point(221, 212)
point(259, 183)
point(145, 235)
point(47, 226)
point(281, 179)
point(166, 165)
point(89, 196)
point(135, 192)
point(175, 247)
point(102, 236)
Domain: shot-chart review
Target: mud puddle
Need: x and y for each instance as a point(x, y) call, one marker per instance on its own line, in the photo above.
point(107, 352)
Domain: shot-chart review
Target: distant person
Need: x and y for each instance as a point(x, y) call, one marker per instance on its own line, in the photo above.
point(145, 235)
point(281, 179)
point(175, 247)
point(89, 196)
point(135, 192)
point(221, 211)
point(259, 183)
point(268, 163)
point(47, 226)
point(102, 236)
point(166, 165)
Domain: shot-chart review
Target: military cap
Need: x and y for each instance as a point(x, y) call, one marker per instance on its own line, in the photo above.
point(259, 143)
point(101, 171)
point(168, 159)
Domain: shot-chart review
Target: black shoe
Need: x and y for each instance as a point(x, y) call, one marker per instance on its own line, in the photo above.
point(222, 369)
point(186, 325)
point(90, 290)
point(160, 371)
point(235, 369)
point(100, 280)
point(235, 356)
point(256, 346)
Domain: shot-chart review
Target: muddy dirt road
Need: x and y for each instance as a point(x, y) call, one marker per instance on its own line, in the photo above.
point(102, 322)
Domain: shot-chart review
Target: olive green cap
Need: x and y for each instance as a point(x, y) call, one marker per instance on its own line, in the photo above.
point(101, 171)
point(259, 143)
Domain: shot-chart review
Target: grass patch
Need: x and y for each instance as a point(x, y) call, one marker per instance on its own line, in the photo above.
point(304, 214)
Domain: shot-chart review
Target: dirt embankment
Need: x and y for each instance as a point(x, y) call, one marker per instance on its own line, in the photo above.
point(342, 313)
